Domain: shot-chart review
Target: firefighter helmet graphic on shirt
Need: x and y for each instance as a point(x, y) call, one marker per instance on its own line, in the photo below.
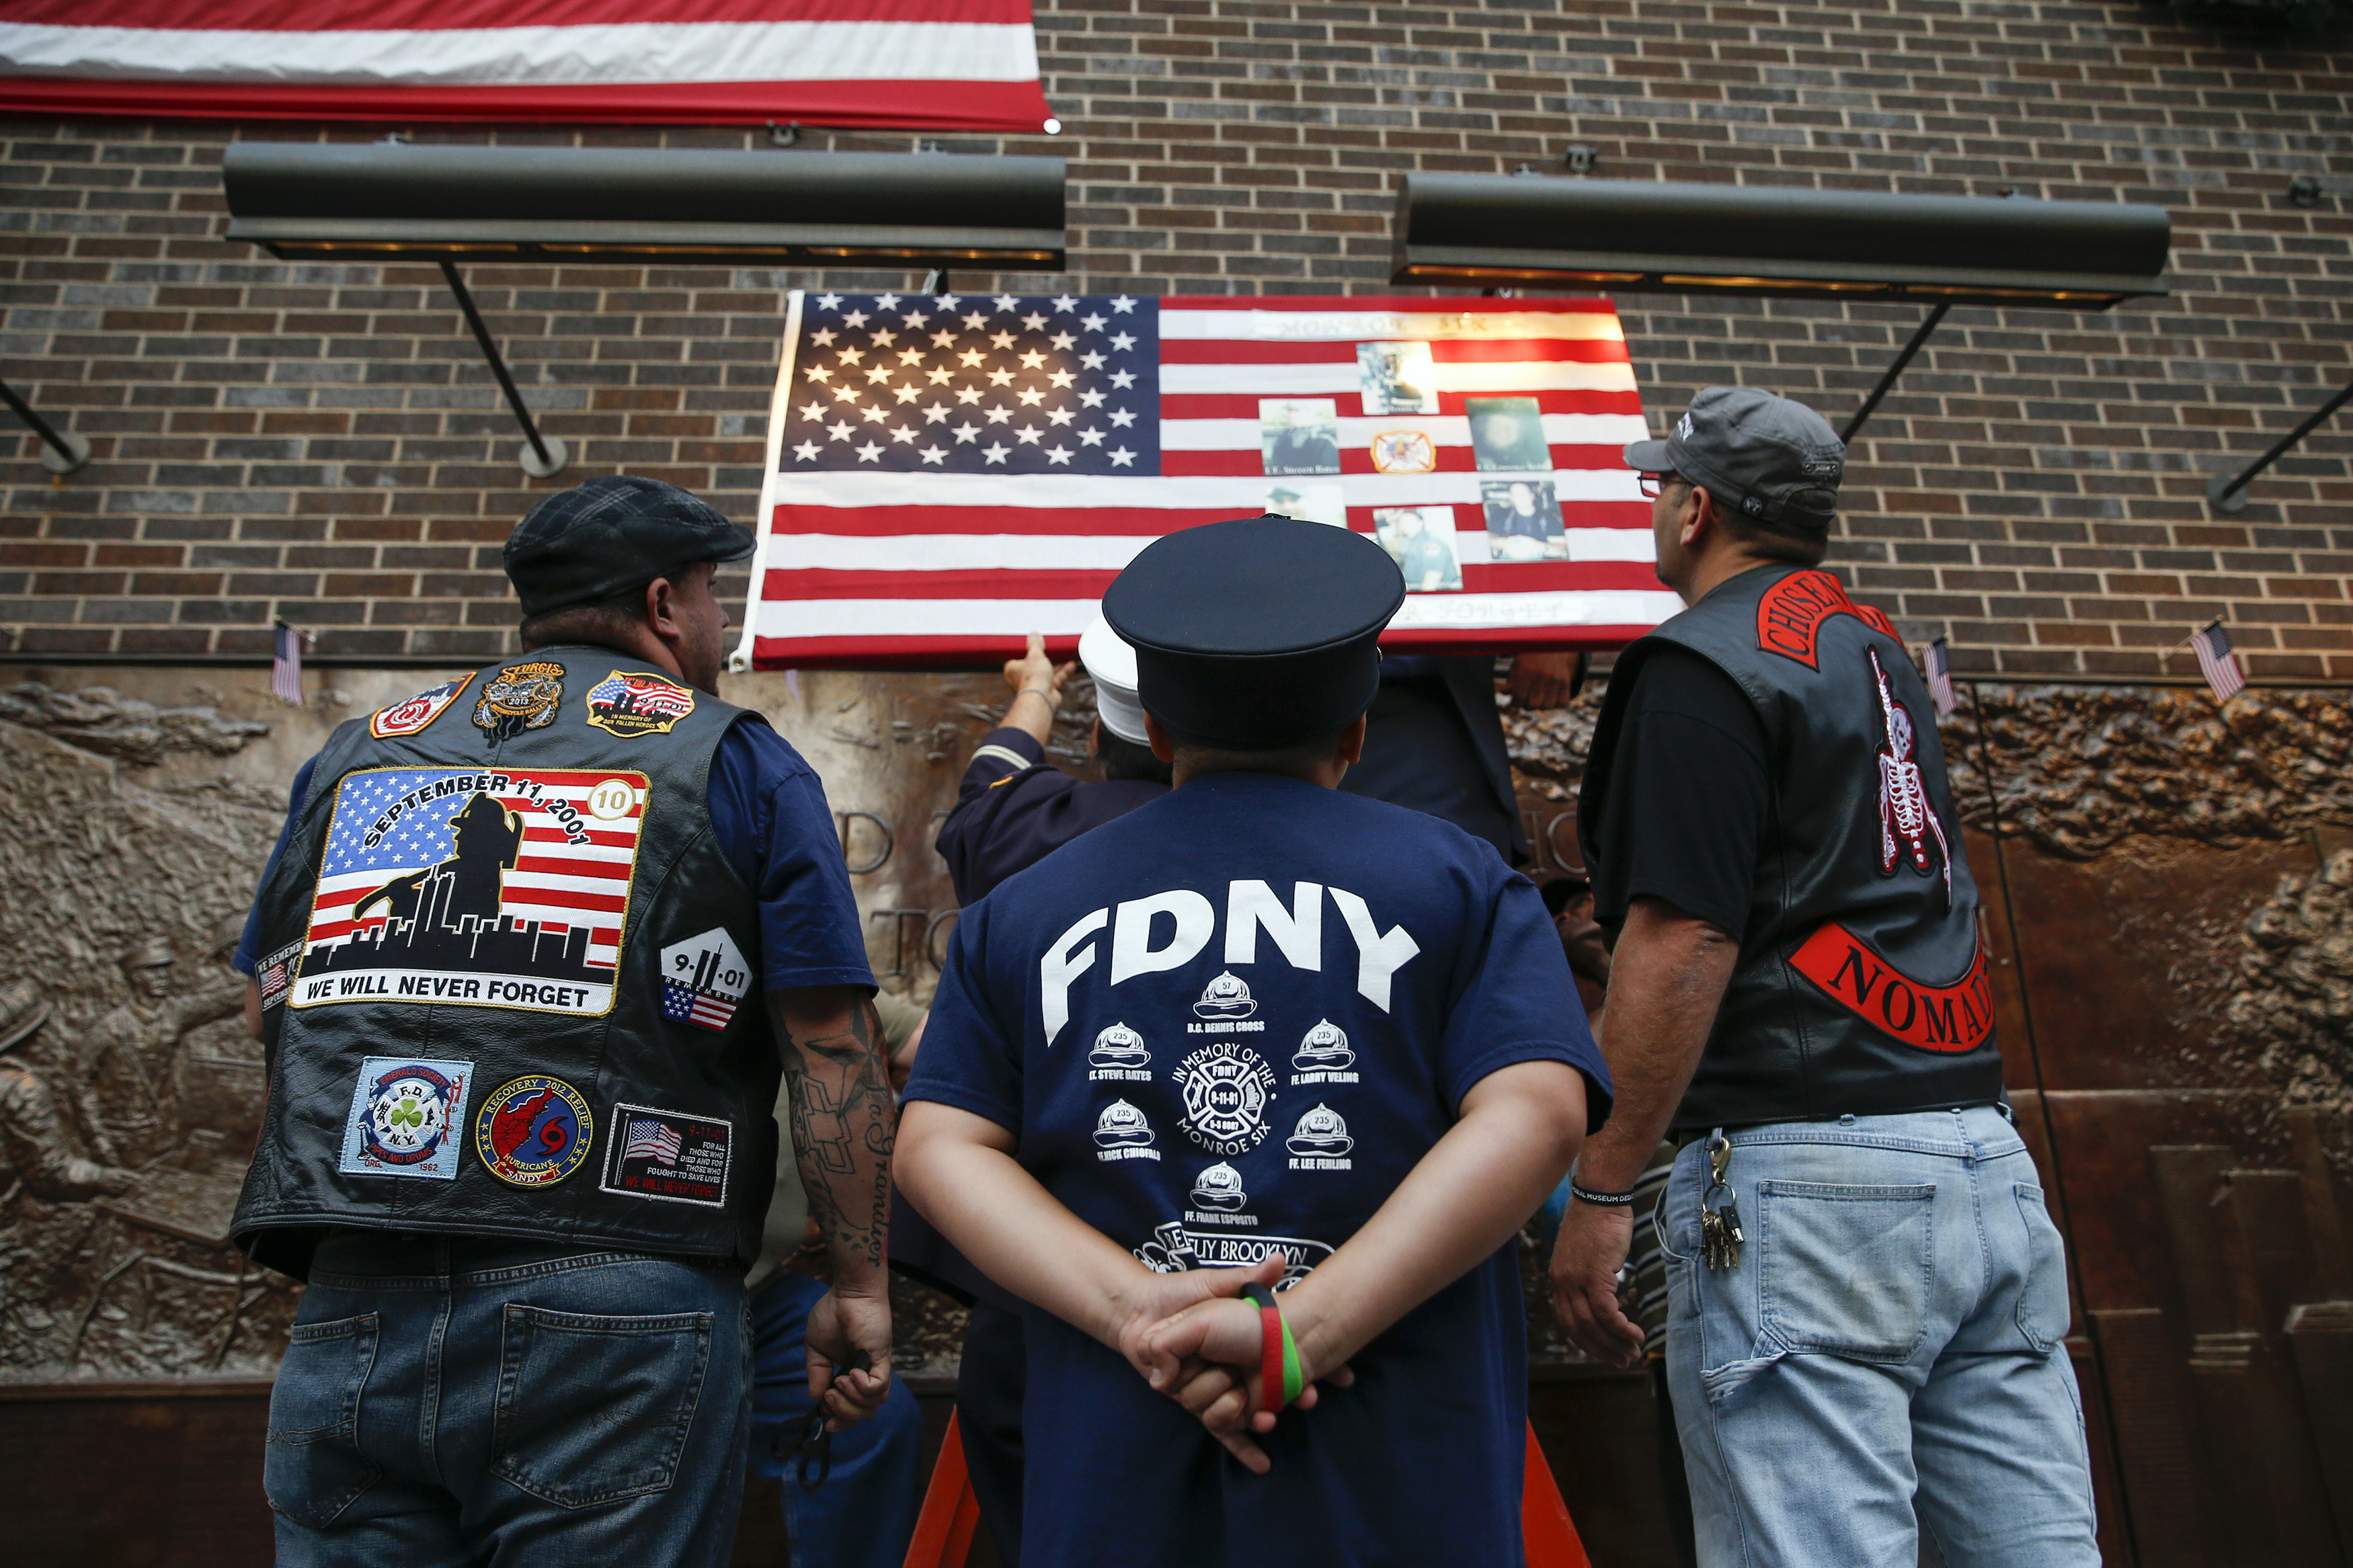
point(1119, 1046)
point(1219, 1187)
point(1227, 997)
point(1326, 1047)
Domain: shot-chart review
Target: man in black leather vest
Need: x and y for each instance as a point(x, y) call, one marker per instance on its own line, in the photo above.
point(1869, 1296)
point(527, 962)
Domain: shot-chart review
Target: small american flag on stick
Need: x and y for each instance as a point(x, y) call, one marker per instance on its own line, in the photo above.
point(286, 666)
point(2216, 662)
point(1938, 664)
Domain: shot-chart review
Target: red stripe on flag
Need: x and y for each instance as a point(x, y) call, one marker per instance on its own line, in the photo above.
point(820, 582)
point(1499, 350)
point(1015, 106)
point(883, 650)
point(883, 521)
point(1358, 459)
point(1379, 304)
point(435, 15)
point(1244, 406)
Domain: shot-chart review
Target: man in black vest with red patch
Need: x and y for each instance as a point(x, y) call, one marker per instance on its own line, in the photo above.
point(1869, 1296)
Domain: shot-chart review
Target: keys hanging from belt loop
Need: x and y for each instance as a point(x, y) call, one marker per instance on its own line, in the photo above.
point(1719, 1223)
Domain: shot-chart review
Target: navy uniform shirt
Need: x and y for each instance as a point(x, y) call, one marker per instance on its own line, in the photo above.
point(1227, 1025)
point(1435, 742)
point(769, 813)
point(1013, 810)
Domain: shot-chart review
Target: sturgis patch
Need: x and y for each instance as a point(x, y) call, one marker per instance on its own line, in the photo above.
point(520, 697)
point(633, 702)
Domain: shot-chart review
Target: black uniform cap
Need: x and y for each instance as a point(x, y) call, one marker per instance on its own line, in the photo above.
point(599, 540)
point(1256, 634)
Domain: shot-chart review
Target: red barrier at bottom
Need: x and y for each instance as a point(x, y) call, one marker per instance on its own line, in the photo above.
point(944, 1531)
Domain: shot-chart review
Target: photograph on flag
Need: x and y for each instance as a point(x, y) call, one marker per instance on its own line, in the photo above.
point(947, 473)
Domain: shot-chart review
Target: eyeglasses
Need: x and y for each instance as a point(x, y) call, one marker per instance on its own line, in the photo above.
point(1653, 484)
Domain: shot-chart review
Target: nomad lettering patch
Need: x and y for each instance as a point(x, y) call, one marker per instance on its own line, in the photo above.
point(634, 702)
point(520, 697)
point(1953, 1018)
point(406, 1113)
point(668, 1156)
point(1790, 617)
point(474, 888)
point(534, 1132)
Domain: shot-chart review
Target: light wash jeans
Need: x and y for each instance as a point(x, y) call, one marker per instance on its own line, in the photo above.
point(1886, 1355)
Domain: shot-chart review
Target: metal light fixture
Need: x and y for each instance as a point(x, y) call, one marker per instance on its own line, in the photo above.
point(632, 206)
point(1627, 235)
point(393, 201)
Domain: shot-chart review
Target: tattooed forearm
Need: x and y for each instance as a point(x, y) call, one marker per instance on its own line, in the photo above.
point(843, 1123)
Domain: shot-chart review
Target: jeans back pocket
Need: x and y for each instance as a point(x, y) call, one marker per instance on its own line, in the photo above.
point(593, 1409)
point(1846, 1271)
point(313, 1468)
point(2043, 1313)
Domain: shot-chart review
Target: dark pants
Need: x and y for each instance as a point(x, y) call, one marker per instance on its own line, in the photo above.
point(989, 1389)
point(462, 1401)
point(862, 1513)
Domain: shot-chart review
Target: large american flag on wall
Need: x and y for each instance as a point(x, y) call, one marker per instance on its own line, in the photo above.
point(950, 65)
point(949, 473)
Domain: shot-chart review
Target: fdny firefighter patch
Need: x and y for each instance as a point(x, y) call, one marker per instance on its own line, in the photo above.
point(520, 697)
point(474, 888)
point(1907, 817)
point(534, 1132)
point(1790, 617)
point(634, 702)
point(407, 718)
point(406, 1113)
point(703, 978)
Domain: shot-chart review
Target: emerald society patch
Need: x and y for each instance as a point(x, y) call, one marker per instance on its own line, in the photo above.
point(405, 1111)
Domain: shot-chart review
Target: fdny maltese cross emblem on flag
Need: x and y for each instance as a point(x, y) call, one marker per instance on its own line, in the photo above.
point(703, 978)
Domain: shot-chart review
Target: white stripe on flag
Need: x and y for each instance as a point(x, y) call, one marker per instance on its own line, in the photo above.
point(1479, 379)
point(555, 56)
point(1444, 429)
point(1360, 326)
point(1073, 492)
point(878, 620)
point(1085, 552)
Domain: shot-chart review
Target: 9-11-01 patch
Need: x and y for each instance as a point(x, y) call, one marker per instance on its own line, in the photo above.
point(669, 1156)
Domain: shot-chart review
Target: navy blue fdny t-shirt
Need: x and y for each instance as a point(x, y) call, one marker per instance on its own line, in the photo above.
point(1227, 1025)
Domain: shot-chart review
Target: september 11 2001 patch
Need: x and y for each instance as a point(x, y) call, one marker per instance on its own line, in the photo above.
point(478, 888)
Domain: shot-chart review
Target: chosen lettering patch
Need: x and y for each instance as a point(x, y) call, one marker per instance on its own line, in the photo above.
point(669, 1156)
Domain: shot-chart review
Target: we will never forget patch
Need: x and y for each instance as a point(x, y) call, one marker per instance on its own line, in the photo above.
point(669, 1156)
point(476, 888)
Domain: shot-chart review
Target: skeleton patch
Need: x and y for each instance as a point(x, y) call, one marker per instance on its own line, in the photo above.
point(1907, 818)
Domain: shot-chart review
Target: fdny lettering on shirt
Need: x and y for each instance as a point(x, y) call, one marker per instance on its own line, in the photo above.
point(420, 710)
point(1167, 931)
point(475, 888)
point(1790, 617)
point(1949, 1018)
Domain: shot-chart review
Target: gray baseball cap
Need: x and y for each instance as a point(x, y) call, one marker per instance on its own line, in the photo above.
point(1774, 461)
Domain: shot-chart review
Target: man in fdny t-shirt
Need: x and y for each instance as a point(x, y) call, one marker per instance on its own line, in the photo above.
point(1258, 1030)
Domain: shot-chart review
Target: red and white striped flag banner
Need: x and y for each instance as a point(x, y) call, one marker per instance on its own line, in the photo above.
point(286, 665)
point(946, 474)
point(947, 65)
point(2216, 662)
point(1936, 667)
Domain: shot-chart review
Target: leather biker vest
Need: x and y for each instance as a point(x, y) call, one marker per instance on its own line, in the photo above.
point(505, 982)
point(1860, 987)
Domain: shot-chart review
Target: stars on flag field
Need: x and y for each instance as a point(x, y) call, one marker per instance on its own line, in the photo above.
point(974, 383)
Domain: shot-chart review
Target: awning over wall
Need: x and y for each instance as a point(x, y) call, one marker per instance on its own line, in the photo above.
point(948, 65)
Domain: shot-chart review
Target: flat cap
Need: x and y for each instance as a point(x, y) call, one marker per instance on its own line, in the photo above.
point(1256, 634)
point(598, 540)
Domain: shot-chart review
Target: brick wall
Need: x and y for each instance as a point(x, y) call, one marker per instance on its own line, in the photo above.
point(323, 443)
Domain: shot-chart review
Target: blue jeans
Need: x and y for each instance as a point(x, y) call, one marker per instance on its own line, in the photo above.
point(1886, 1355)
point(471, 1401)
point(863, 1514)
